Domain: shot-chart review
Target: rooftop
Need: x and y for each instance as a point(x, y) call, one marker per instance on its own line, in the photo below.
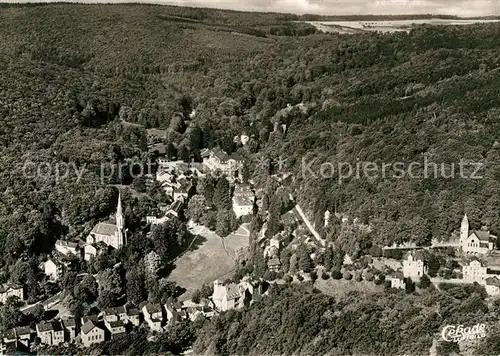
point(105, 229)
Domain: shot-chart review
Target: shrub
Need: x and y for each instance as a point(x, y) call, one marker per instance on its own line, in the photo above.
point(358, 277)
point(336, 274)
point(288, 279)
point(369, 276)
point(300, 278)
point(325, 276)
point(347, 276)
point(313, 275)
point(425, 282)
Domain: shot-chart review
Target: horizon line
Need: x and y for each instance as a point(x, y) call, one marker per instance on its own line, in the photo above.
point(28, 3)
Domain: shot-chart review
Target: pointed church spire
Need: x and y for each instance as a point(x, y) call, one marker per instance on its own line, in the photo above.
point(119, 207)
point(120, 221)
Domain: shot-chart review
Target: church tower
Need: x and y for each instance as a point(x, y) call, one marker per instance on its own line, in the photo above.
point(120, 222)
point(464, 229)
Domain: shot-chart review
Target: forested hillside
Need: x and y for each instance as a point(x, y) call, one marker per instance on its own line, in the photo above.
point(71, 72)
point(81, 84)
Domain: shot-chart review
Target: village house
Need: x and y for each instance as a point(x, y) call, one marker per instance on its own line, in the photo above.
point(8, 336)
point(67, 248)
point(243, 200)
point(492, 286)
point(133, 316)
point(397, 280)
point(172, 212)
point(479, 241)
point(175, 312)
point(23, 335)
point(217, 159)
point(112, 234)
point(91, 334)
point(94, 250)
point(194, 312)
point(69, 326)
point(8, 342)
point(53, 269)
point(10, 290)
point(414, 265)
point(50, 333)
point(474, 272)
point(115, 319)
point(232, 295)
point(153, 316)
point(242, 206)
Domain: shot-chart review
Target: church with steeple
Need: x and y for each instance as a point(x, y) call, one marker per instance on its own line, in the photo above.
point(111, 234)
point(475, 241)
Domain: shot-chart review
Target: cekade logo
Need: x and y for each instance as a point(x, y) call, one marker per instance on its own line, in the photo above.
point(454, 333)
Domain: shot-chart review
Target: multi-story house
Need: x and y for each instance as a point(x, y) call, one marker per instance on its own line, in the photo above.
point(474, 272)
point(91, 334)
point(217, 159)
point(232, 295)
point(133, 316)
point(23, 335)
point(53, 269)
point(69, 325)
point(153, 316)
point(115, 319)
point(50, 333)
point(414, 265)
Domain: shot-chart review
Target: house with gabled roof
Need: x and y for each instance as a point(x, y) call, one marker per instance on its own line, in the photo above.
point(69, 325)
point(23, 335)
point(91, 333)
point(67, 247)
point(50, 333)
point(397, 280)
point(474, 272)
point(414, 265)
point(231, 295)
point(492, 286)
point(153, 316)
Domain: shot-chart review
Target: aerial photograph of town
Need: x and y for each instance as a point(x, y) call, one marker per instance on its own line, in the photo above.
point(281, 177)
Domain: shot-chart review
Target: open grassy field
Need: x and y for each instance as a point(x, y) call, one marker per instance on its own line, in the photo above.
point(211, 257)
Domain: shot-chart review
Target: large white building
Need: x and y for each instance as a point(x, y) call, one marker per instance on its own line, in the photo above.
point(217, 159)
point(110, 234)
point(479, 241)
point(474, 272)
point(414, 265)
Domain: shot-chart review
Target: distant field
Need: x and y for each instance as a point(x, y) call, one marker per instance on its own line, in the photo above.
point(210, 260)
point(352, 27)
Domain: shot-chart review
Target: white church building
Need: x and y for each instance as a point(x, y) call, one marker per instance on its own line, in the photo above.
point(109, 233)
point(478, 241)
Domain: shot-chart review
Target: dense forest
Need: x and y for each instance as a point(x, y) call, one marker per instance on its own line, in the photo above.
point(81, 84)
